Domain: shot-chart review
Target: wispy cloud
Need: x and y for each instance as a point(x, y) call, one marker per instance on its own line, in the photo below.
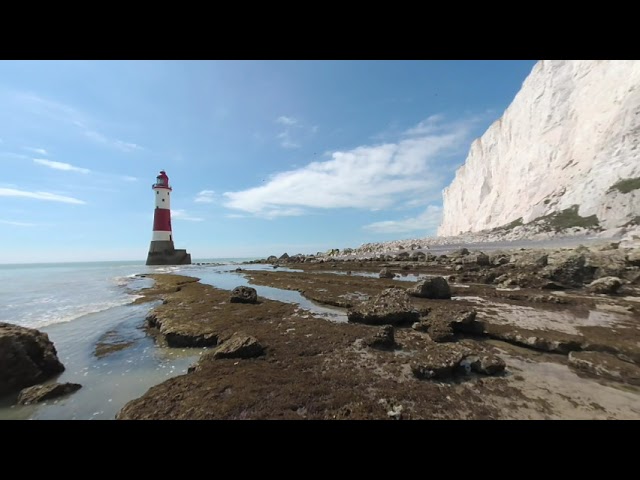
point(60, 166)
point(17, 224)
point(283, 120)
point(119, 144)
point(426, 222)
point(205, 196)
point(50, 197)
point(68, 115)
point(183, 215)
point(289, 137)
point(128, 178)
point(39, 151)
point(367, 177)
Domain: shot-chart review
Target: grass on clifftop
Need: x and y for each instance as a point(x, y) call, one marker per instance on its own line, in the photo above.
point(567, 218)
point(627, 185)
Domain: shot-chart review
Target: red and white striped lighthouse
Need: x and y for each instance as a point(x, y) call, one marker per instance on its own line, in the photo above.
point(162, 250)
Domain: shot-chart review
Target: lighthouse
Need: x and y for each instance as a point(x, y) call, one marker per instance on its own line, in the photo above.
point(161, 250)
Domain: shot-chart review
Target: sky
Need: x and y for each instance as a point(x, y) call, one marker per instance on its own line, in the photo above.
point(264, 157)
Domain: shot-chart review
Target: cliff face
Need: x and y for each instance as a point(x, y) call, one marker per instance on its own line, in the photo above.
point(570, 137)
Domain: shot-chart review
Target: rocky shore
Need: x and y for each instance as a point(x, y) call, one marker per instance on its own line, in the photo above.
point(551, 333)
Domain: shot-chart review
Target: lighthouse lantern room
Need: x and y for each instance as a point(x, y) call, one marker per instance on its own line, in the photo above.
point(162, 250)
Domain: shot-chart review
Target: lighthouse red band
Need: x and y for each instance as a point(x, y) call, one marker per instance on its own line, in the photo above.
point(162, 250)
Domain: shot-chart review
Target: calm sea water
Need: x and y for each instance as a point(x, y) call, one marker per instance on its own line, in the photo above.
point(78, 305)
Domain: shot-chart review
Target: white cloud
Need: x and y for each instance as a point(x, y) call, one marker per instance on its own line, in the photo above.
point(128, 178)
point(60, 166)
point(39, 151)
point(427, 221)
point(368, 177)
point(119, 144)
point(17, 224)
point(286, 120)
point(183, 215)
point(51, 197)
point(205, 196)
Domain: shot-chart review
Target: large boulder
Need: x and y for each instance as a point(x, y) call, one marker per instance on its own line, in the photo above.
point(272, 258)
point(633, 257)
point(284, 256)
point(40, 393)
point(607, 285)
point(27, 357)
point(244, 295)
point(434, 287)
point(481, 259)
point(392, 306)
point(570, 269)
point(239, 346)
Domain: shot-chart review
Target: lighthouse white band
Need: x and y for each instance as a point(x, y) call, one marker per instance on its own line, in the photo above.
point(161, 236)
point(162, 198)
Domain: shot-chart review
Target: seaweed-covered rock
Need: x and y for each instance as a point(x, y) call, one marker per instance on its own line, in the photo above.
point(238, 346)
point(392, 306)
point(244, 295)
point(434, 287)
point(383, 338)
point(386, 273)
point(40, 393)
point(27, 357)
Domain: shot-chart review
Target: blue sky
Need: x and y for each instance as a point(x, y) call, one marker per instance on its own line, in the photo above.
point(263, 156)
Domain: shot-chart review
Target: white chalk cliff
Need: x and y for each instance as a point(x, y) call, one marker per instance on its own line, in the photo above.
point(571, 133)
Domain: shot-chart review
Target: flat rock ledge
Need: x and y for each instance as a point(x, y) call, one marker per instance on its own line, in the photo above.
point(40, 393)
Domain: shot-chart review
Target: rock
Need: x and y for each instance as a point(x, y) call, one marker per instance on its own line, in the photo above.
point(633, 257)
point(444, 360)
point(605, 365)
point(442, 325)
point(284, 256)
point(421, 326)
point(440, 331)
point(27, 357)
point(459, 252)
point(487, 364)
point(478, 259)
point(244, 295)
point(238, 346)
point(386, 273)
point(383, 338)
point(392, 306)
point(531, 260)
point(272, 258)
point(434, 287)
point(40, 393)
point(607, 285)
point(571, 270)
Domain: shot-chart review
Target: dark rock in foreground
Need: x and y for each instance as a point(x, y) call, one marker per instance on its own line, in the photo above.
point(27, 357)
point(244, 295)
point(436, 287)
point(383, 338)
point(40, 393)
point(392, 307)
point(605, 365)
point(239, 346)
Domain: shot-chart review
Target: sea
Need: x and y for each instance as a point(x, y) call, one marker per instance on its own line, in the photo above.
point(84, 305)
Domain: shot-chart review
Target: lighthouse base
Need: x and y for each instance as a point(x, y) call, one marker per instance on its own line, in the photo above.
point(164, 253)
